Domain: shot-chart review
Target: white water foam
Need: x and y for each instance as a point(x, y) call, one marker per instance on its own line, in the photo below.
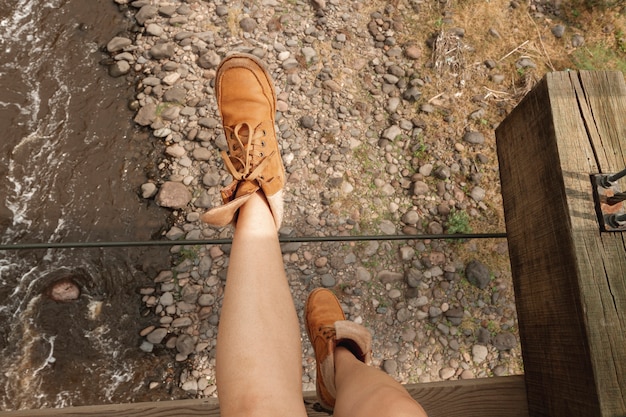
point(30, 179)
point(50, 359)
point(22, 19)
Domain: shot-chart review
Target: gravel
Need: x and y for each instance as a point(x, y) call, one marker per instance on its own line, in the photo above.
point(366, 152)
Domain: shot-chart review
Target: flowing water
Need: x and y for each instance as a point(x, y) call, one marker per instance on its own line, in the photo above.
point(70, 166)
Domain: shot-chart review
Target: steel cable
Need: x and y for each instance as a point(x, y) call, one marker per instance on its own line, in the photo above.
point(282, 239)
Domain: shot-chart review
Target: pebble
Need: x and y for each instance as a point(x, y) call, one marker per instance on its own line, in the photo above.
point(308, 53)
point(447, 373)
point(394, 293)
point(387, 227)
point(181, 322)
point(162, 51)
point(148, 190)
point(248, 24)
point(479, 353)
point(409, 335)
point(392, 132)
point(403, 315)
point(118, 43)
point(578, 40)
point(146, 346)
point(362, 274)
point(420, 188)
point(558, 31)
point(473, 137)
point(190, 386)
point(328, 281)
point(525, 63)
point(166, 299)
point(505, 341)
point(307, 121)
point(413, 52)
point(411, 217)
point(390, 366)
point(156, 336)
point(185, 344)
point(154, 30)
point(119, 68)
point(145, 13)
point(478, 194)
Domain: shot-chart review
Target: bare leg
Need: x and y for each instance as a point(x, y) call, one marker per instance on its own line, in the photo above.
point(259, 354)
point(365, 391)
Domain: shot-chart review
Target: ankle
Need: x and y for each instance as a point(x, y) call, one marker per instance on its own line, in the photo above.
point(343, 354)
point(256, 214)
point(351, 347)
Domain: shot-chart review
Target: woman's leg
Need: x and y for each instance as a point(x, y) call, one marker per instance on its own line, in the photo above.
point(259, 354)
point(365, 391)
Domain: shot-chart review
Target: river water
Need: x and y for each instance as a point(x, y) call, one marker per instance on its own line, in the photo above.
point(71, 164)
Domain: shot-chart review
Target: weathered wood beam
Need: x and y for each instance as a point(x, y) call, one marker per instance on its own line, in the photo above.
point(569, 278)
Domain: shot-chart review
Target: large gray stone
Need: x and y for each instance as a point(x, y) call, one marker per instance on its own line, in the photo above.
point(505, 341)
point(119, 68)
point(209, 60)
point(478, 274)
point(420, 188)
point(173, 195)
point(118, 43)
point(157, 335)
point(475, 138)
point(185, 344)
point(146, 115)
point(162, 50)
point(145, 13)
point(247, 24)
point(175, 95)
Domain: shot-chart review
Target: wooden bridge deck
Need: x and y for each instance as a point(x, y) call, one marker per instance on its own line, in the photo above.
point(488, 397)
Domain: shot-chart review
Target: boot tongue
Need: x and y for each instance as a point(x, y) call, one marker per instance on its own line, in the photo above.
point(243, 132)
point(246, 187)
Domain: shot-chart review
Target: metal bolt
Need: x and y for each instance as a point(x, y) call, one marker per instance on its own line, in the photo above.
point(607, 180)
point(615, 221)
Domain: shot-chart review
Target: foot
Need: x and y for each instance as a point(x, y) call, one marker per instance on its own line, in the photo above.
point(328, 328)
point(247, 103)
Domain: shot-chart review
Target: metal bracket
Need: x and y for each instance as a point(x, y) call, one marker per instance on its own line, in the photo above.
point(611, 213)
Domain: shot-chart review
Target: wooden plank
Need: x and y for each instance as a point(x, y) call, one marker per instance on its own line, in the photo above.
point(501, 396)
point(569, 278)
point(489, 397)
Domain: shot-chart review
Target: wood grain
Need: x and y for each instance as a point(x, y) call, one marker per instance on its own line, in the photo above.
point(489, 397)
point(568, 277)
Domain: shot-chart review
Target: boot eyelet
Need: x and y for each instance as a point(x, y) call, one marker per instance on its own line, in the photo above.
point(264, 132)
point(261, 154)
point(263, 143)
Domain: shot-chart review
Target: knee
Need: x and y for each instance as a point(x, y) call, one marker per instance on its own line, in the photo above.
point(379, 401)
point(406, 406)
point(255, 405)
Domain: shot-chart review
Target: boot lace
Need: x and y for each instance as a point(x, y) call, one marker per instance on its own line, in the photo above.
point(327, 332)
point(247, 158)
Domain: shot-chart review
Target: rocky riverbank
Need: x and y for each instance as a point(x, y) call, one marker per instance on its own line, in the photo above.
point(385, 114)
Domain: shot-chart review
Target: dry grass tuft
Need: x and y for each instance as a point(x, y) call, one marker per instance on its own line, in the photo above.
point(448, 54)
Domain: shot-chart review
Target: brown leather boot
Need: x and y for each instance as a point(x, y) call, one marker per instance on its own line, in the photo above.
point(247, 103)
point(328, 328)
